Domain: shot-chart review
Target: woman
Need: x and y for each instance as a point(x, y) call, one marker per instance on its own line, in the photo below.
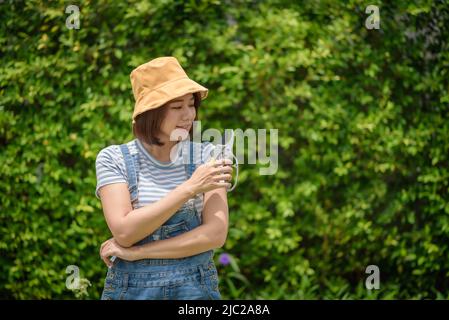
point(166, 214)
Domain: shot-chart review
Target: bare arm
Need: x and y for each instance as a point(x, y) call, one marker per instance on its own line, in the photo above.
point(130, 226)
point(210, 235)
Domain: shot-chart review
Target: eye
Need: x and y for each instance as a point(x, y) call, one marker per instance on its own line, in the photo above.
point(176, 107)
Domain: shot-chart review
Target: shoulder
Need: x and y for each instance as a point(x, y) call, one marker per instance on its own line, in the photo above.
point(111, 152)
point(114, 152)
point(113, 155)
point(110, 162)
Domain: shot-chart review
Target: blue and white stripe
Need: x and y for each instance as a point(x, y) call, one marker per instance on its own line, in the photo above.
point(155, 178)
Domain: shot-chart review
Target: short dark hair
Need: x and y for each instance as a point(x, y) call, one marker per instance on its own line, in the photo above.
point(148, 123)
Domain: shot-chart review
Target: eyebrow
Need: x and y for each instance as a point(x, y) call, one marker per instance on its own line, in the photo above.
point(180, 100)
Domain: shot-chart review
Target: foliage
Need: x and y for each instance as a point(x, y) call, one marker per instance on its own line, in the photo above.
point(363, 138)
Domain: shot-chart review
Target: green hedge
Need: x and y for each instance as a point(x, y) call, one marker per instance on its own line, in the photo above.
point(363, 138)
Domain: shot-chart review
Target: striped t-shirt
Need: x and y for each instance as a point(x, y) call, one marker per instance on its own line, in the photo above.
point(155, 178)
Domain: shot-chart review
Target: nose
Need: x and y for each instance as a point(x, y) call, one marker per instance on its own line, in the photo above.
point(189, 113)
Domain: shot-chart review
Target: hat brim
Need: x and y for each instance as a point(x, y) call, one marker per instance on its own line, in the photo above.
point(172, 90)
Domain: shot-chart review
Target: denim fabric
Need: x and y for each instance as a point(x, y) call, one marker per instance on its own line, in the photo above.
point(189, 278)
point(163, 282)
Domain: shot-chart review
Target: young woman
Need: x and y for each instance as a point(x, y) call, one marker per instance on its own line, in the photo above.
point(166, 214)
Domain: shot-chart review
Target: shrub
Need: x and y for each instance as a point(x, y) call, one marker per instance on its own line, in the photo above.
point(363, 138)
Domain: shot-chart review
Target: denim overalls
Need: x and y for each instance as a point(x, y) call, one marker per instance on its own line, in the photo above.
point(189, 278)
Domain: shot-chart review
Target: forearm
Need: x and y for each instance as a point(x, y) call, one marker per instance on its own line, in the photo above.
point(196, 241)
point(139, 223)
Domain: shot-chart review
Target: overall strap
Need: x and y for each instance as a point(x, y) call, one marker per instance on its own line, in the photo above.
point(191, 166)
point(131, 170)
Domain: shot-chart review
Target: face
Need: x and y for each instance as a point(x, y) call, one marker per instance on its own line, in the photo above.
point(178, 119)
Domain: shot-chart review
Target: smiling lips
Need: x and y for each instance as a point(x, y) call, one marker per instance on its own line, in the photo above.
point(184, 127)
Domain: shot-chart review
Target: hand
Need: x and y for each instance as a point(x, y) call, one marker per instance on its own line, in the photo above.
point(207, 176)
point(111, 248)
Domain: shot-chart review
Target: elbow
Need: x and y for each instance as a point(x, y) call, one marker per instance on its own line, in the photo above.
point(218, 235)
point(123, 240)
point(122, 235)
point(221, 240)
point(220, 245)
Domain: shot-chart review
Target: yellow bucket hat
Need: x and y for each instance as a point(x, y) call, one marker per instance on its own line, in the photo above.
point(158, 81)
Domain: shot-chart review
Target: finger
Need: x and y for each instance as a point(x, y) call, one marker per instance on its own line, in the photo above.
point(105, 243)
point(223, 170)
point(220, 177)
point(226, 185)
point(106, 248)
point(105, 259)
point(101, 249)
point(226, 177)
point(109, 253)
point(102, 245)
point(222, 162)
point(227, 169)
